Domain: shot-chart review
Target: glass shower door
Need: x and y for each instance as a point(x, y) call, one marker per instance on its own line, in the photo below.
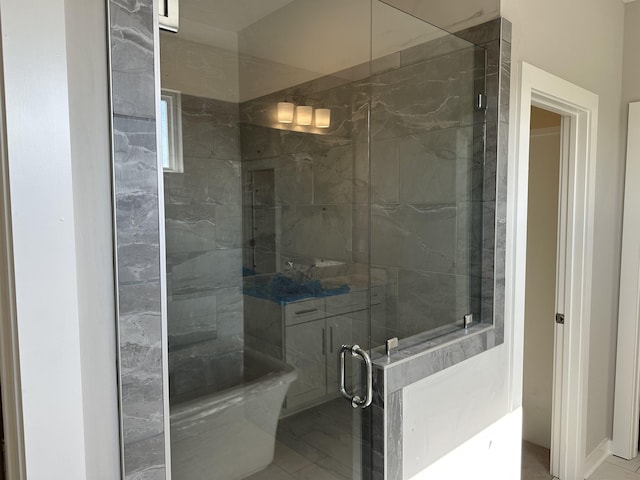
point(299, 143)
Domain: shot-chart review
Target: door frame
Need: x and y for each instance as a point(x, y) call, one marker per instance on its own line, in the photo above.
point(579, 109)
point(626, 410)
point(13, 428)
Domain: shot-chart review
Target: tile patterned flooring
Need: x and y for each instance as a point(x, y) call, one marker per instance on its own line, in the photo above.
point(316, 444)
point(615, 468)
point(535, 466)
point(535, 462)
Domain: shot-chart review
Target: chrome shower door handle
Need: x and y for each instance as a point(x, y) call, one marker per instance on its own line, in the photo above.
point(356, 351)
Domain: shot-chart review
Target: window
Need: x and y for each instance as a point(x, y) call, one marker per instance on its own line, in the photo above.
point(171, 131)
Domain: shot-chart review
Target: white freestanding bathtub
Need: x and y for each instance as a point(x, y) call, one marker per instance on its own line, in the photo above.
point(230, 434)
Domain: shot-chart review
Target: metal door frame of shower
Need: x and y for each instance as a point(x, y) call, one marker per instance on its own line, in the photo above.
point(579, 109)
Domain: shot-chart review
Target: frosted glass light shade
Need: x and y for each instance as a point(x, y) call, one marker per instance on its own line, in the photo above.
point(323, 118)
point(285, 112)
point(304, 115)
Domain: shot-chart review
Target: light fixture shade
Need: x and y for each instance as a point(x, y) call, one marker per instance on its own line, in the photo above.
point(323, 118)
point(285, 112)
point(304, 114)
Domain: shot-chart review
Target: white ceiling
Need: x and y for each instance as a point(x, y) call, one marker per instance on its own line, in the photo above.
point(229, 15)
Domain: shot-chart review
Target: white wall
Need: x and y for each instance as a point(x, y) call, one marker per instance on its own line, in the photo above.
point(492, 454)
point(542, 221)
point(58, 151)
point(581, 41)
point(445, 410)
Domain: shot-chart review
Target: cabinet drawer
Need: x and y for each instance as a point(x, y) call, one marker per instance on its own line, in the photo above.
point(349, 302)
point(305, 311)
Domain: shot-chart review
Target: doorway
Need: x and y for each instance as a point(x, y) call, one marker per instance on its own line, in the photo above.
point(540, 294)
point(579, 111)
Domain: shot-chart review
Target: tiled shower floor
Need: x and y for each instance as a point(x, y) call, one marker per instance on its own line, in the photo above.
point(316, 444)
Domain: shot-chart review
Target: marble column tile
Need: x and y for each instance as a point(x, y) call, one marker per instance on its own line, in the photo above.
point(132, 67)
point(135, 158)
point(482, 33)
point(393, 455)
point(377, 439)
point(487, 299)
point(469, 239)
point(137, 237)
point(140, 361)
point(420, 237)
point(145, 460)
point(505, 81)
point(490, 162)
point(507, 28)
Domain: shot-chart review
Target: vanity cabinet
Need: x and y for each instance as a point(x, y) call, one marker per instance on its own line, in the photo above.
point(308, 335)
point(305, 349)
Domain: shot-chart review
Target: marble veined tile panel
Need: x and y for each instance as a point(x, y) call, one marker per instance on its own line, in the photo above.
point(333, 179)
point(207, 271)
point(132, 69)
point(190, 228)
point(191, 320)
point(419, 237)
point(208, 181)
point(317, 231)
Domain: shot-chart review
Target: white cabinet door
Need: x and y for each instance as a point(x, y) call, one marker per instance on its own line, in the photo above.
point(339, 332)
point(306, 351)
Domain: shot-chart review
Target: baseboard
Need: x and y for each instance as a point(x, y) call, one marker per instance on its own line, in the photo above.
point(597, 457)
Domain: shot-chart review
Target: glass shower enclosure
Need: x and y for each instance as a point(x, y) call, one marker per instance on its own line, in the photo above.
point(323, 194)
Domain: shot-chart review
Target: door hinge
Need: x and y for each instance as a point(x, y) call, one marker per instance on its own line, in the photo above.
point(560, 318)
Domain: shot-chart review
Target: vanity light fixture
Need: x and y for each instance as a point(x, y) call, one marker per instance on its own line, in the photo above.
point(285, 112)
point(304, 114)
point(323, 118)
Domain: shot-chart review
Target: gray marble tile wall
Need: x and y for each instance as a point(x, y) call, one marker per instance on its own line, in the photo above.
point(308, 213)
point(137, 239)
point(203, 224)
point(427, 185)
point(425, 356)
point(421, 216)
